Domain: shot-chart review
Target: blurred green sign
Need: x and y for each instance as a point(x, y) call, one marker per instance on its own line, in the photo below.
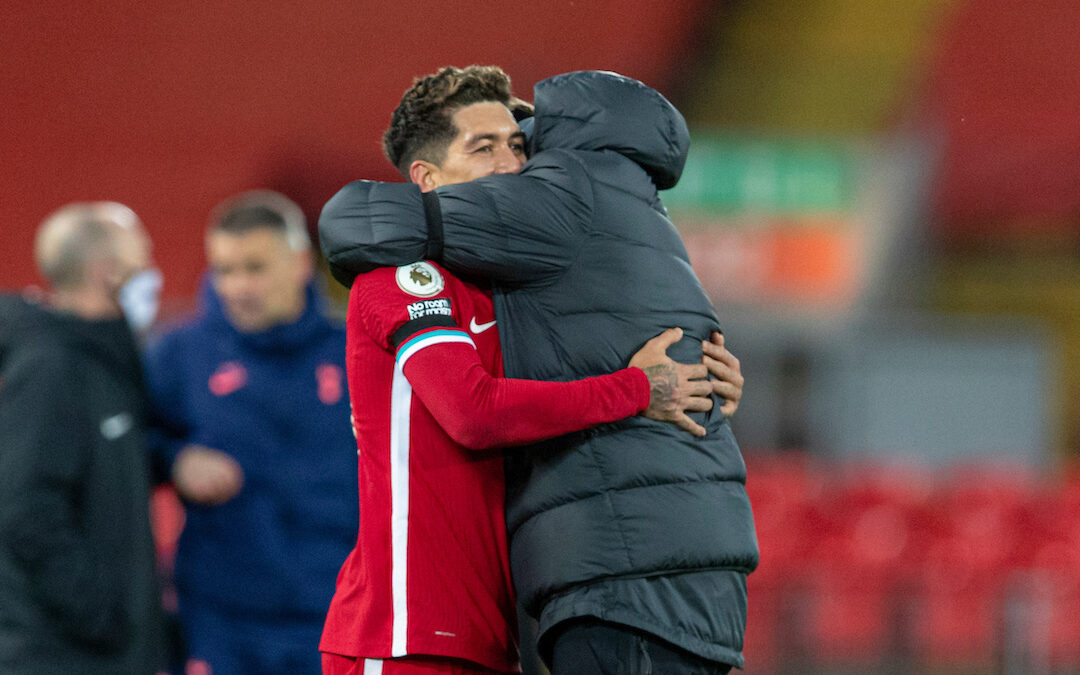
point(733, 175)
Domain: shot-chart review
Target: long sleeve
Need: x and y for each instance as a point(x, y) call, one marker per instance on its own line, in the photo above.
point(516, 228)
point(509, 227)
point(481, 411)
point(367, 225)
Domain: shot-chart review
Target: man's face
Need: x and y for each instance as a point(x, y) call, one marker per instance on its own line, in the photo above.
point(488, 141)
point(259, 279)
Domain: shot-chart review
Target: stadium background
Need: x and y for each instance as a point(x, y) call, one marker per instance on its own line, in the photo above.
point(883, 199)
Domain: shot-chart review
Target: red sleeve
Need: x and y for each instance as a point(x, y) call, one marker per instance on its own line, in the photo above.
point(480, 411)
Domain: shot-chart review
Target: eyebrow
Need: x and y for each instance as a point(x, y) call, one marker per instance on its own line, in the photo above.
point(475, 140)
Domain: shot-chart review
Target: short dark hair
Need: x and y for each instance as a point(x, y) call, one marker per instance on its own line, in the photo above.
point(421, 126)
point(262, 209)
point(242, 219)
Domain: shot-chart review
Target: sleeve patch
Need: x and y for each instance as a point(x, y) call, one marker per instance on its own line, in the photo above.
point(438, 306)
point(420, 279)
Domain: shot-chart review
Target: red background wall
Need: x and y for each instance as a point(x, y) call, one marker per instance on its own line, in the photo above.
point(1004, 90)
point(170, 107)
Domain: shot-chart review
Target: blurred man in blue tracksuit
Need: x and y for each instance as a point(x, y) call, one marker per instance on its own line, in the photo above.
point(251, 402)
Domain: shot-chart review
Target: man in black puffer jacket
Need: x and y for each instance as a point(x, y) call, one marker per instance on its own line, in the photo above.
point(631, 530)
point(78, 593)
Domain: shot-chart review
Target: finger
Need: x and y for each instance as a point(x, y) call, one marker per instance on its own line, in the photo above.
point(698, 404)
point(725, 376)
point(685, 423)
point(724, 372)
point(691, 371)
point(700, 388)
point(666, 339)
point(726, 390)
point(717, 368)
point(717, 338)
point(729, 408)
point(708, 349)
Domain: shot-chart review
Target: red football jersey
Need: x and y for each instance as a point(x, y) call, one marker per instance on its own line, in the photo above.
point(430, 573)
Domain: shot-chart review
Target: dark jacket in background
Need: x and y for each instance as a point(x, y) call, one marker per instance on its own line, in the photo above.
point(277, 402)
point(637, 522)
point(78, 592)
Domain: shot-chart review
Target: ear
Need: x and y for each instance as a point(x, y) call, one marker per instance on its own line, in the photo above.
point(105, 272)
point(305, 265)
point(424, 174)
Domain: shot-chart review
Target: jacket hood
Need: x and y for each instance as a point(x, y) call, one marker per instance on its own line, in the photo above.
point(25, 323)
point(601, 110)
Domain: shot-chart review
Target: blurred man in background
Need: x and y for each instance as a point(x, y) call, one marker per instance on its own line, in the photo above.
point(78, 593)
point(633, 543)
point(251, 398)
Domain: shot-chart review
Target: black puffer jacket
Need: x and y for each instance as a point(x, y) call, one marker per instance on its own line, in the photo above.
point(586, 267)
point(78, 593)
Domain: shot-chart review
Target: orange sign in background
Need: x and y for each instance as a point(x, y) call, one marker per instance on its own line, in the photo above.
point(785, 263)
point(772, 221)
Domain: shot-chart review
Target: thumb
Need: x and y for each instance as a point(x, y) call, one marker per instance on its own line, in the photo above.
point(667, 338)
point(718, 338)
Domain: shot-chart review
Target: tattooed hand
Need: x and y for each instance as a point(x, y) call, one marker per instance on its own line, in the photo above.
point(675, 388)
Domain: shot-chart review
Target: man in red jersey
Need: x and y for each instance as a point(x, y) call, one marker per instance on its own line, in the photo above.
point(428, 587)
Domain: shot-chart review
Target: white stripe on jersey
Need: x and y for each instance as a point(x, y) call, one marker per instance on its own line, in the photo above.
point(400, 405)
point(372, 666)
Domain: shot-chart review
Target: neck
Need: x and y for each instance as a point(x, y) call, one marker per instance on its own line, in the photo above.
point(86, 303)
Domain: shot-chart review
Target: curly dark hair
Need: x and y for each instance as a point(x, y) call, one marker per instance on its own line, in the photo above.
point(421, 126)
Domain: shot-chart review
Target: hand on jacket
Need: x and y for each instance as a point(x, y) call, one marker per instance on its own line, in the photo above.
point(726, 371)
point(675, 388)
point(206, 476)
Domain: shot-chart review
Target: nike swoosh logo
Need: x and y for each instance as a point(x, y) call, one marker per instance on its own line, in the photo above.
point(116, 426)
point(479, 327)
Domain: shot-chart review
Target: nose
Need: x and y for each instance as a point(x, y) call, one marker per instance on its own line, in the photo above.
point(508, 161)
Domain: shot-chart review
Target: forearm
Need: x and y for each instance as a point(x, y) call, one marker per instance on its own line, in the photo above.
point(481, 411)
point(505, 227)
